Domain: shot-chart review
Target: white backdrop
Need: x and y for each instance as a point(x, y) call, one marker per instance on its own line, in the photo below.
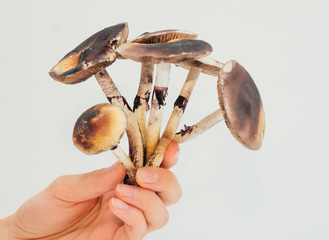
point(279, 192)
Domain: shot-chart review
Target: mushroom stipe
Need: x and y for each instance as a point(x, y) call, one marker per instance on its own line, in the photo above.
point(134, 136)
point(173, 122)
point(240, 104)
point(142, 98)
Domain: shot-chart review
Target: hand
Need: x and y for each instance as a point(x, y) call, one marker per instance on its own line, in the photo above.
point(96, 205)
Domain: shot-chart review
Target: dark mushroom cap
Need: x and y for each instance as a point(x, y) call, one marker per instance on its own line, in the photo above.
point(207, 65)
point(99, 128)
point(242, 105)
point(171, 52)
point(163, 36)
point(95, 53)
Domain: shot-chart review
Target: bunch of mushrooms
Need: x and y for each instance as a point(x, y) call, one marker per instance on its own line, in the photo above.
point(101, 127)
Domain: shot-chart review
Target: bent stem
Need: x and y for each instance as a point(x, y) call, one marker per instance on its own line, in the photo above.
point(173, 122)
point(197, 129)
point(158, 101)
point(125, 160)
point(133, 133)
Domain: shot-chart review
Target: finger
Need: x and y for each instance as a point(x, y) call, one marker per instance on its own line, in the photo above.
point(161, 181)
point(83, 187)
point(135, 226)
point(171, 156)
point(155, 212)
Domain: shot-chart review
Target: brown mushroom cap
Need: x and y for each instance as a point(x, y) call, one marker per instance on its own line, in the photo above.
point(206, 64)
point(171, 52)
point(95, 53)
point(242, 105)
point(163, 36)
point(99, 128)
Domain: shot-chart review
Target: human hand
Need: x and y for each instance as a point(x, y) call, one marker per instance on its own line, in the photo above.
point(96, 205)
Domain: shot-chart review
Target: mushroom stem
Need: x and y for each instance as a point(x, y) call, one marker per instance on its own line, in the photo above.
point(197, 129)
point(125, 160)
point(142, 98)
point(134, 136)
point(173, 122)
point(158, 101)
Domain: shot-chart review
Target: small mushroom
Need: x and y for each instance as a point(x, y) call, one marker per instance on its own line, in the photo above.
point(146, 79)
point(90, 58)
point(241, 107)
point(136, 150)
point(162, 54)
point(99, 129)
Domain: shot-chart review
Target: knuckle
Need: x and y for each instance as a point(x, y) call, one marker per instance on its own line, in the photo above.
point(159, 222)
point(56, 189)
point(179, 194)
point(175, 192)
point(138, 228)
point(56, 184)
point(168, 179)
point(165, 218)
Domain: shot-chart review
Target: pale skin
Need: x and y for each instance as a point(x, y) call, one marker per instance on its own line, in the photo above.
point(97, 206)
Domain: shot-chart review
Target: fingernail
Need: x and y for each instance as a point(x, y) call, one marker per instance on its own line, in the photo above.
point(147, 175)
point(128, 191)
point(119, 204)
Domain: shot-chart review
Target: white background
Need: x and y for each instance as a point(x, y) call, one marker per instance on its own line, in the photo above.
point(229, 192)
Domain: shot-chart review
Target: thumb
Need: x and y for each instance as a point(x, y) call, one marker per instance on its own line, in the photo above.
point(83, 187)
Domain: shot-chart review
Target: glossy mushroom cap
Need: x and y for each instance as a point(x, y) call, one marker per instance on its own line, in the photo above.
point(171, 52)
point(242, 105)
point(95, 53)
point(206, 64)
point(100, 128)
point(163, 36)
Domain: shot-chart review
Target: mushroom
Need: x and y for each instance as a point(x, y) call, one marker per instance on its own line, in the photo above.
point(99, 129)
point(195, 67)
point(241, 107)
point(146, 79)
point(211, 67)
point(162, 54)
point(90, 58)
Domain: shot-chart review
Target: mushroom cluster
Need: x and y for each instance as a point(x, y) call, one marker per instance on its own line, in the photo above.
point(101, 127)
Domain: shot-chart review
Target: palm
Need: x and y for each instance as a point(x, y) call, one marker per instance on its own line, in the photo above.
point(64, 220)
